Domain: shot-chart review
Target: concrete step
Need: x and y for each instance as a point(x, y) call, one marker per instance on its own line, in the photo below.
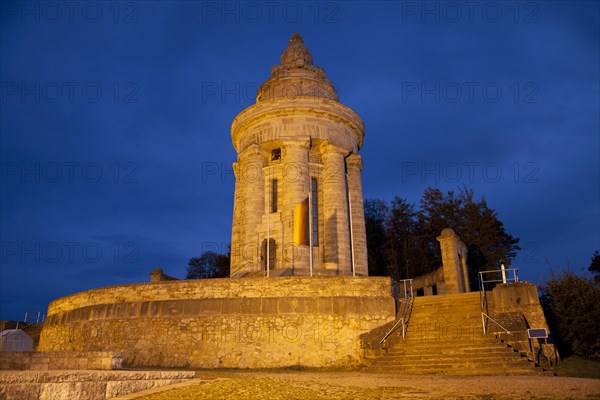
point(430, 308)
point(442, 307)
point(449, 314)
point(449, 296)
point(452, 361)
point(461, 354)
point(444, 337)
point(446, 309)
point(447, 302)
point(462, 371)
point(440, 342)
point(492, 352)
point(478, 358)
point(431, 324)
point(455, 362)
point(438, 346)
point(446, 312)
point(455, 315)
point(458, 352)
point(458, 367)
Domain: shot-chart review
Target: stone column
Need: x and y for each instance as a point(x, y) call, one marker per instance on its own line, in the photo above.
point(237, 224)
point(335, 210)
point(462, 252)
point(249, 207)
point(359, 235)
point(454, 274)
point(295, 186)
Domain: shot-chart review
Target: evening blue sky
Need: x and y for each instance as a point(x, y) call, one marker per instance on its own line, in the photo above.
point(116, 151)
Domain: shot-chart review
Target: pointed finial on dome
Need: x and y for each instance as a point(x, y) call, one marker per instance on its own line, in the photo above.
point(296, 38)
point(296, 76)
point(296, 55)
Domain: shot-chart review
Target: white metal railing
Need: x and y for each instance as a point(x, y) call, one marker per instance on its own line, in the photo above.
point(37, 319)
point(504, 275)
point(405, 315)
point(484, 315)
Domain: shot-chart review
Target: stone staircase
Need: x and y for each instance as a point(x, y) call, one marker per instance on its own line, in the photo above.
point(444, 336)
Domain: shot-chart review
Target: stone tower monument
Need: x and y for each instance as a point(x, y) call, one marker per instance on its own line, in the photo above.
point(298, 207)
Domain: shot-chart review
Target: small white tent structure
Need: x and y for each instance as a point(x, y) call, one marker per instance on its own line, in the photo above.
point(15, 340)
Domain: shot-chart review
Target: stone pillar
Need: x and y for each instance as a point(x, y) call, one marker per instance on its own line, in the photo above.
point(462, 258)
point(453, 262)
point(237, 233)
point(248, 209)
point(359, 235)
point(295, 187)
point(335, 210)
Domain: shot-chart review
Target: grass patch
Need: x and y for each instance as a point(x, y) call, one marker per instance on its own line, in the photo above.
point(578, 367)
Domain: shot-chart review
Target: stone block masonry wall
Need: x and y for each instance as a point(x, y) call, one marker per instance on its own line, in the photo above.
point(427, 281)
point(85, 385)
point(44, 361)
point(236, 323)
point(285, 287)
point(517, 307)
point(521, 297)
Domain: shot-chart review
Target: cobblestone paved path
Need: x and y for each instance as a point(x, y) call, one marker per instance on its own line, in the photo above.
point(357, 385)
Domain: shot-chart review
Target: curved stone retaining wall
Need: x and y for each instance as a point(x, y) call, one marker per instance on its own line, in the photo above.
point(243, 323)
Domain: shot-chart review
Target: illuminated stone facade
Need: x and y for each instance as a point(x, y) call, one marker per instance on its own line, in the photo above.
point(231, 323)
point(298, 184)
point(298, 177)
point(298, 211)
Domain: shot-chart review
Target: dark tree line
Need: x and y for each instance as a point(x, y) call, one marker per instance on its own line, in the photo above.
point(595, 266)
point(401, 239)
point(209, 265)
point(572, 307)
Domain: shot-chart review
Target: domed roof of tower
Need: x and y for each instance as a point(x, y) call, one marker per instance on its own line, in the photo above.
point(296, 76)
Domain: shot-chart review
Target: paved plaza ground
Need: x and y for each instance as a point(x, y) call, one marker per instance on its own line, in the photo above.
point(369, 386)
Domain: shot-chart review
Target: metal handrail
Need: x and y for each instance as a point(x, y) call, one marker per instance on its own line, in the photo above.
point(483, 297)
point(496, 322)
point(392, 330)
point(482, 305)
point(503, 271)
point(408, 295)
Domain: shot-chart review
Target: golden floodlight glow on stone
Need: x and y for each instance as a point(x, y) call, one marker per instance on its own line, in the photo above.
point(298, 207)
point(298, 211)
